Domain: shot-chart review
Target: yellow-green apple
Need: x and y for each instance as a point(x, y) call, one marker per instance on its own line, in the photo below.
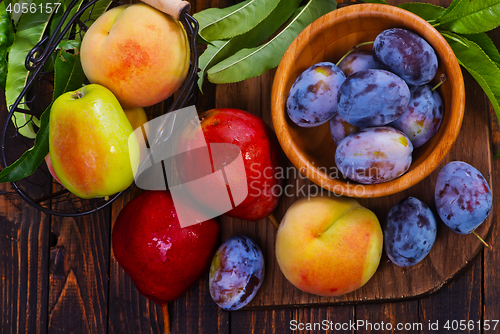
point(89, 143)
point(141, 54)
point(136, 117)
point(328, 246)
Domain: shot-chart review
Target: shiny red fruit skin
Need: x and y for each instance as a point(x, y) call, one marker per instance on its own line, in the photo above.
point(162, 259)
point(261, 153)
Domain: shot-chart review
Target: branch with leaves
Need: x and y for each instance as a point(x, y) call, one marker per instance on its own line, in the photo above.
point(29, 29)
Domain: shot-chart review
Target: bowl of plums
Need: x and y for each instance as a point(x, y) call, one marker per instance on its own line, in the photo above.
point(368, 100)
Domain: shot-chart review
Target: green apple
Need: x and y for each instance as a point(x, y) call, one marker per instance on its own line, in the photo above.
point(89, 142)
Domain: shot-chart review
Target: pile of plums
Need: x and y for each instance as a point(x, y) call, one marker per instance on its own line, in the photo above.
point(379, 105)
point(463, 202)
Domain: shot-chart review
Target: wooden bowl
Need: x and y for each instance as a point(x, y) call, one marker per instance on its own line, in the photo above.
point(312, 150)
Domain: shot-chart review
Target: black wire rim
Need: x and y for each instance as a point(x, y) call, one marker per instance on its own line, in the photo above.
point(35, 63)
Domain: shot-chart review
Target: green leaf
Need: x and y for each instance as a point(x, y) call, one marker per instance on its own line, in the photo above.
point(248, 63)
point(58, 16)
point(428, 12)
point(376, 1)
point(487, 45)
point(69, 74)
point(16, 15)
point(220, 50)
point(68, 77)
point(480, 66)
point(471, 16)
point(92, 13)
point(214, 52)
point(31, 159)
point(30, 30)
point(220, 24)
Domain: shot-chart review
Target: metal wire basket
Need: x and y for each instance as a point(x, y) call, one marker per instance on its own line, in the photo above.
point(40, 189)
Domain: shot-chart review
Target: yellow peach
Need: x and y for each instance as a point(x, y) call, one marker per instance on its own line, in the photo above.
point(139, 53)
point(328, 246)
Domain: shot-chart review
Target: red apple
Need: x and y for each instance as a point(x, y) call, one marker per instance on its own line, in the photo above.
point(251, 173)
point(162, 258)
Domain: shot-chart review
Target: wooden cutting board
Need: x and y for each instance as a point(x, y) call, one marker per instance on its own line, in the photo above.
point(450, 254)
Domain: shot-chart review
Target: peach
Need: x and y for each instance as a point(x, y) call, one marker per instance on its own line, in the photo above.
point(139, 53)
point(328, 246)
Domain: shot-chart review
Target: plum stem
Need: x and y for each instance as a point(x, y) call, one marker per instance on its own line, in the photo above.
point(354, 49)
point(442, 78)
point(166, 319)
point(481, 239)
point(274, 221)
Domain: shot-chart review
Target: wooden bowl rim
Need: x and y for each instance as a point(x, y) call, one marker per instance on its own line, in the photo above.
point(416, 173)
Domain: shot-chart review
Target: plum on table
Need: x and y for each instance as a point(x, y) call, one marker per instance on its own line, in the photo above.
point(463, 197)
point(410, 232)
point(236, 272)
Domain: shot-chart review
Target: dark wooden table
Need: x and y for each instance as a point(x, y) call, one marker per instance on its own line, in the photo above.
point(58, 275)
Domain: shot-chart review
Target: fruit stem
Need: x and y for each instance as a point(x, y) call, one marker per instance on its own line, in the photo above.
point(274, 221)
point(481, 239)
point(166, 319)
point(442, 78)
point(77, 95)
point(354, 48)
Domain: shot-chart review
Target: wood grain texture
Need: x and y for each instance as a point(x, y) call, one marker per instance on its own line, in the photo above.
point(78, 268)
point(395, 315)
point(491, 265)
point(461, 301)
point(24, 257)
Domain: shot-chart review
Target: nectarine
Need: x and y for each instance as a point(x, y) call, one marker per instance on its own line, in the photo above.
point(328, 246)
point(137, 52)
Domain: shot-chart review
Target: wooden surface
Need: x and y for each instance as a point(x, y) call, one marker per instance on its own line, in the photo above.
point(58, 275)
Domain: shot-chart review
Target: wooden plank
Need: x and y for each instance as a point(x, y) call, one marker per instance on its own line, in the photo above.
point(24, 239)
point(79, 264)
point(491, 279)
point(259, 321)
point(392, 317)
point(129, 311)
point(460, 301)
